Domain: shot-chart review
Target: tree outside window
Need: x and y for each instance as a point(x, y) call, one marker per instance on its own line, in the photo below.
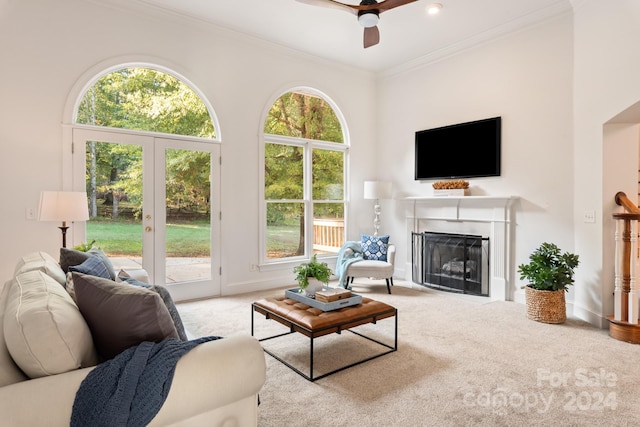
point(304, 175)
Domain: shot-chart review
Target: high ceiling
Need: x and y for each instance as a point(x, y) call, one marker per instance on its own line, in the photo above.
point(407, 33)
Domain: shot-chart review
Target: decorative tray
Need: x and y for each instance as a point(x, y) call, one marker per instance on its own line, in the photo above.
point(324, 306)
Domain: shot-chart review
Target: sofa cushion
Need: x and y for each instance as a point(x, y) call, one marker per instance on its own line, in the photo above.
point(166, 298)
point(92, 266)
point(121, 316)
point(44, 330)
point(139, 274)
point(71, 257)
point(374, 247)
point(10, 373)
point(107, 262)
point(40, 261)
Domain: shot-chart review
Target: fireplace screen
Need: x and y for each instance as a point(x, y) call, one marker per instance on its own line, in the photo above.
point(451, 262)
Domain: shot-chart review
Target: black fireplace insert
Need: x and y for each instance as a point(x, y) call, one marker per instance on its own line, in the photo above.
point(451, 262)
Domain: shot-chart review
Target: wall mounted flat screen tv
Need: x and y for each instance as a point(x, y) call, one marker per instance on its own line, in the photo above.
point(464, 150)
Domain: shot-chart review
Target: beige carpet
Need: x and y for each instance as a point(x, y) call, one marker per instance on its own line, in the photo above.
point(459, 363)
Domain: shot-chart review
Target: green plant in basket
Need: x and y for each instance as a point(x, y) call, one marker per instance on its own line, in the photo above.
point(313, 268)
point(549, 269)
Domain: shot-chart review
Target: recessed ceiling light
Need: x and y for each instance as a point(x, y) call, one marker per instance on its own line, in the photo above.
point(434, 8)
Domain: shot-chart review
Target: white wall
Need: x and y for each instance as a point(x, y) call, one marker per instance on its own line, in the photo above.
point(555, 85)
point(606, 83)
point(47, 48)
point(526, 78)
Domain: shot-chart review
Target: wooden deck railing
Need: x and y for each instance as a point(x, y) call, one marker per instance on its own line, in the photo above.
point(624, 322)
point(328, 235)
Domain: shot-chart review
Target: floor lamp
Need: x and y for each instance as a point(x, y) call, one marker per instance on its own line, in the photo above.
point(376, 190)
point(63, 206)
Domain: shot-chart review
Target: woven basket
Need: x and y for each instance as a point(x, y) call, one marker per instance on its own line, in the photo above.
point(545, 306)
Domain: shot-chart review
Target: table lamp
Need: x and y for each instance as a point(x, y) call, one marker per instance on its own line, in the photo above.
point(377, 190)
point(63, 206)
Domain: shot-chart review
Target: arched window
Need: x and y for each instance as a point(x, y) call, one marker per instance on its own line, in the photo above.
point(145, 99)
point(305, 158)
point(147, 151)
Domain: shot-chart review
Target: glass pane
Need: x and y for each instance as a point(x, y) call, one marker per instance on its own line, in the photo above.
point(188, 210)
point(145, 99)
point(283, 172)
point(303, 115)
point(328, 175)
point(328, 227)
point(285, 230)
point(114, 190)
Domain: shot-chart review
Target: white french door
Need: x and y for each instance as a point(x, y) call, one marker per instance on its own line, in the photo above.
point(162, 214)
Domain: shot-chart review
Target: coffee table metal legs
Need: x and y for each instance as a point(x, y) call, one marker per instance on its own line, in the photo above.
point(310, 376)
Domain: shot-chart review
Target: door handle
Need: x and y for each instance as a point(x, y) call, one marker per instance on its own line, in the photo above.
point(147, 228)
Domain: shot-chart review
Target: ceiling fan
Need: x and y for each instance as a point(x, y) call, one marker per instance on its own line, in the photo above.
point(368, 12)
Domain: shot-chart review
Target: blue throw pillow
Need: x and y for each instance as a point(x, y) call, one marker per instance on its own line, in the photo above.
point(374, 247)
point(92, 266)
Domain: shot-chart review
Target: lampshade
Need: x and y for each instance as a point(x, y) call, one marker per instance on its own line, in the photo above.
point(63, 206)
point(377, 190)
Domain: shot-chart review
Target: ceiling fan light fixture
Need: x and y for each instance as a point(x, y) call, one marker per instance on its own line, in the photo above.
point(368, 19)
point(434, 8)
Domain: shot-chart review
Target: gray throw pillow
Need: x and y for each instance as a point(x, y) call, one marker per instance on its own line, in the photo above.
point(168, 302)
point(120, 316)
point(70, 257)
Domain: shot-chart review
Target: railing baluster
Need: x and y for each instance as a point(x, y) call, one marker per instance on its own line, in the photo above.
point(632, 305)
point(328, 235)
point(623, 325)
point(617, 284)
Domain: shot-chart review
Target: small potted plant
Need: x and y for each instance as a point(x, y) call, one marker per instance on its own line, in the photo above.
point(312, 275)
point(549, 274)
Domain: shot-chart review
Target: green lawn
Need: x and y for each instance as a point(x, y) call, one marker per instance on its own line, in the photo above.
point(184, 239)
point(124, 238)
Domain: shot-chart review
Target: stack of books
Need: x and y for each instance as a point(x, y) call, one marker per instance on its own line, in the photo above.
point(333, 294)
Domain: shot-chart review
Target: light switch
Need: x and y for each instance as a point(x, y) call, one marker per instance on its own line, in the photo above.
point(589, 216)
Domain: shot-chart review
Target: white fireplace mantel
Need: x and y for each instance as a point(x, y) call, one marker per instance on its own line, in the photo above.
point(493, 214)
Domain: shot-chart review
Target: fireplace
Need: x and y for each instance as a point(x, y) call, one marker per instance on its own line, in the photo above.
point(451, 262)
point(490, 216)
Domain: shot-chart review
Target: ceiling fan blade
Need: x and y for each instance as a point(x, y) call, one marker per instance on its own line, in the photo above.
point(331, 4)
point(390, 4)
point(371, 36)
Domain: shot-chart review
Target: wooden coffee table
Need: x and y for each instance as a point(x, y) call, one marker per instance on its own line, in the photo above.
point(313, 323)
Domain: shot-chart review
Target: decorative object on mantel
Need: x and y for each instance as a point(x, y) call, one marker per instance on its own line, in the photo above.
point(312, 276)
point(550, 273)
point(377, 190)
point(456, 187)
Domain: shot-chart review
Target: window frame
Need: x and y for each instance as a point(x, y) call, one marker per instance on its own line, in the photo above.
point(307, 145)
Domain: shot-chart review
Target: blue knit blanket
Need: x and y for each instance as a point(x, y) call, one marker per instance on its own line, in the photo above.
point(347, 258)
point(130, 389)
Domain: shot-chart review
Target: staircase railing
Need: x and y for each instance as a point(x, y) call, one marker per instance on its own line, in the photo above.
point(625, 291)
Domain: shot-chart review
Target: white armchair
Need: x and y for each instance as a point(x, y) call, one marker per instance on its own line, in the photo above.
point(373, 269)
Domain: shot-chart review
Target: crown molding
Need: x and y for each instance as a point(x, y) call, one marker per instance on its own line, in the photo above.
point(517, 25)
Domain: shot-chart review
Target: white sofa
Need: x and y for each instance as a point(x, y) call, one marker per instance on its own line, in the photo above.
point(46, 350)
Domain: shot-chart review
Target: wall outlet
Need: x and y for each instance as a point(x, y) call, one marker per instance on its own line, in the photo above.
point(253, 267)
point(589, 216)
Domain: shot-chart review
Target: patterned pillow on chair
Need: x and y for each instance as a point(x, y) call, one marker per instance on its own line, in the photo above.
point(374, 247)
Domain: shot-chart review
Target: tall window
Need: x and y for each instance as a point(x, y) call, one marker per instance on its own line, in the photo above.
point(150, 171)
point(304, 177)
